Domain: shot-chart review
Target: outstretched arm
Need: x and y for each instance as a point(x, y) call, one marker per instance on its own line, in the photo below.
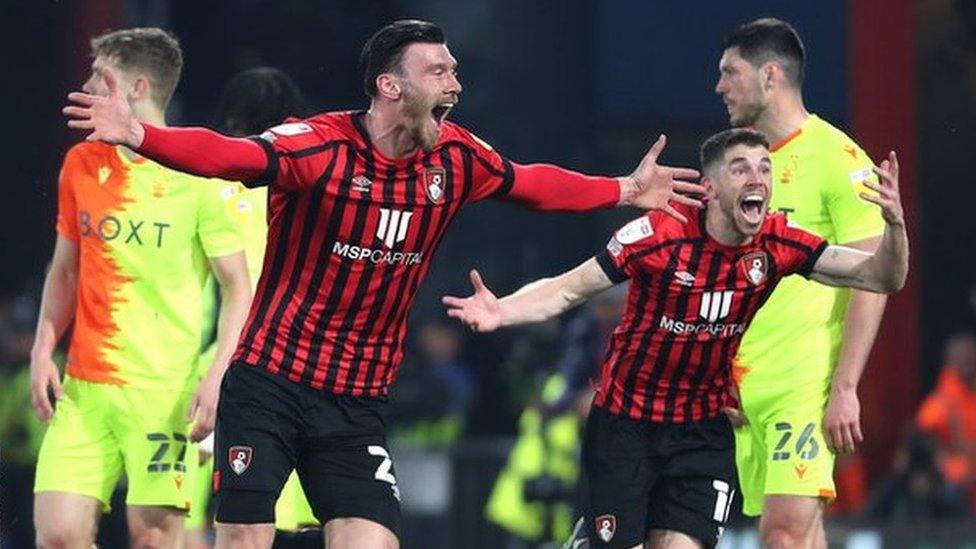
point(886, 269)
point(198, 151)
point(650, 187)
point(536, 302)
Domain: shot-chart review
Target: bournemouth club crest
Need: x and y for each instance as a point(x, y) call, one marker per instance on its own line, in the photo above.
point(606, 527)
point(434, 184)
point(240, 458)
point(755, 266)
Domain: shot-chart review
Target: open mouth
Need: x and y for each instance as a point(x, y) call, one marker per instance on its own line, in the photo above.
point(439, 112)
point(752, 207)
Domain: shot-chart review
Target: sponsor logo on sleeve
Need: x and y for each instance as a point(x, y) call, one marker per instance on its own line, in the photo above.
point(634, 231)
point(292, 128)
point(858, 178)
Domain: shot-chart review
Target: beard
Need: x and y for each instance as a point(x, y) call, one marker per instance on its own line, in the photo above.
point(423, 130)
point(747, 116)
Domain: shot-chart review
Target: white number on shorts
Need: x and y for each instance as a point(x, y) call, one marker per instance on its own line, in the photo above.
point(383, 471)
point(723, 501)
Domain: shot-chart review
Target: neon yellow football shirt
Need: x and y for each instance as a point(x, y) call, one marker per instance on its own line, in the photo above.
point(145, 234)
point(795, 337)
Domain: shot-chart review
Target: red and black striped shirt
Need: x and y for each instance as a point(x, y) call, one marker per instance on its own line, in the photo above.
point(351, 235)
point(689, 303)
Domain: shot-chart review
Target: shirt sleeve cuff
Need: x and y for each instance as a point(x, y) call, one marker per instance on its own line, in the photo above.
point(807, 268)
point(614, 273)
point(271, 172)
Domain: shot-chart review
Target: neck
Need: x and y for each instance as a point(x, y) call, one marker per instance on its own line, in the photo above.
point(387, 132)
point(148, 113)
point(722, 229)
point(783, 116)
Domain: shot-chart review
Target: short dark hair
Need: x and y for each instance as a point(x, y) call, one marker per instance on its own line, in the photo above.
point(770, 38)
point(256, 99)
point(713, 149)
point(151, 50)
point(384, 50)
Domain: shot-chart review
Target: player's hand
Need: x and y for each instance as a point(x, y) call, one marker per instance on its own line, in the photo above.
point(736, 416)
point(45, 380)
point(653, 186)
point(888, 196)
point(205, 449)
point(481, 312)
point(203, 408)
point(842, 421)
point(110, 118)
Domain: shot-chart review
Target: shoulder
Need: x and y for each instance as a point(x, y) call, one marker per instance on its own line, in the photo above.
point(89, 152)
point(323, 128)
point(455, 134)
point(654, 228)
point(87, 157)
point(778, 227)
point(831, 142)
point(667, 228)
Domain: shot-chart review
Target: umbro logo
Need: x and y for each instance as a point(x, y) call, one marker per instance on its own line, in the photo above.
point(684, 278)
point(361, 184)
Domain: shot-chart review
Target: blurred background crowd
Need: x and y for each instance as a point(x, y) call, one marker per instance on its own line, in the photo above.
point(487, 427)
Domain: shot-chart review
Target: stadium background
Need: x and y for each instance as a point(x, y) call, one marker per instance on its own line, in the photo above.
point(587, 84)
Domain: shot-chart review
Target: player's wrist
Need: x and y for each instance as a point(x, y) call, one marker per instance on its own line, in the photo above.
point(136, 135)
point(629, 190)
point(843, 386)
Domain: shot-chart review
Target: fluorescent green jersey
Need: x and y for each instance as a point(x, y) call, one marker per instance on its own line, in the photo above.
point(251, 211)
point(145, 234)
point(795, 337)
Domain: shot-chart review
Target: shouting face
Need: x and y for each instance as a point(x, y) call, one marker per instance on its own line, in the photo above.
point(430, 89)
point(740, 186)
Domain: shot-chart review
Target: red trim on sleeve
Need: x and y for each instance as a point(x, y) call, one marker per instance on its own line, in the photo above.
point(549, 187)
point(204, 152)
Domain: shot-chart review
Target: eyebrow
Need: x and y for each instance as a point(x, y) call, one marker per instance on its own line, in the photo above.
point(740, 159)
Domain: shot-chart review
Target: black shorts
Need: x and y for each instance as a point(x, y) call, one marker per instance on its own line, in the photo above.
point(268, 425)
point(642, 476)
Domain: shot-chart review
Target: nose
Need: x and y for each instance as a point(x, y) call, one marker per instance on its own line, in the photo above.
point(454, 85)
point(720, 86)
point(89, 85)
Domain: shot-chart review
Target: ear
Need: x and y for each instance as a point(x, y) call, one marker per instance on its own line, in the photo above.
point(709, 184)
point(388, 85)
point(767, 74)
point(141, 89)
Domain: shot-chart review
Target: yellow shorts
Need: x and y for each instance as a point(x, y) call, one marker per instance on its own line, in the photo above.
point(781, 451)
point(101, 431)
point(292, 511)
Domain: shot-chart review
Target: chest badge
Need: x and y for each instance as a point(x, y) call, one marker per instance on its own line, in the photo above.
point(755, 265)
point(434, 184)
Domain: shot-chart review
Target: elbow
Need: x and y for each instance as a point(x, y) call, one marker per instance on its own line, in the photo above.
point(892, 284)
